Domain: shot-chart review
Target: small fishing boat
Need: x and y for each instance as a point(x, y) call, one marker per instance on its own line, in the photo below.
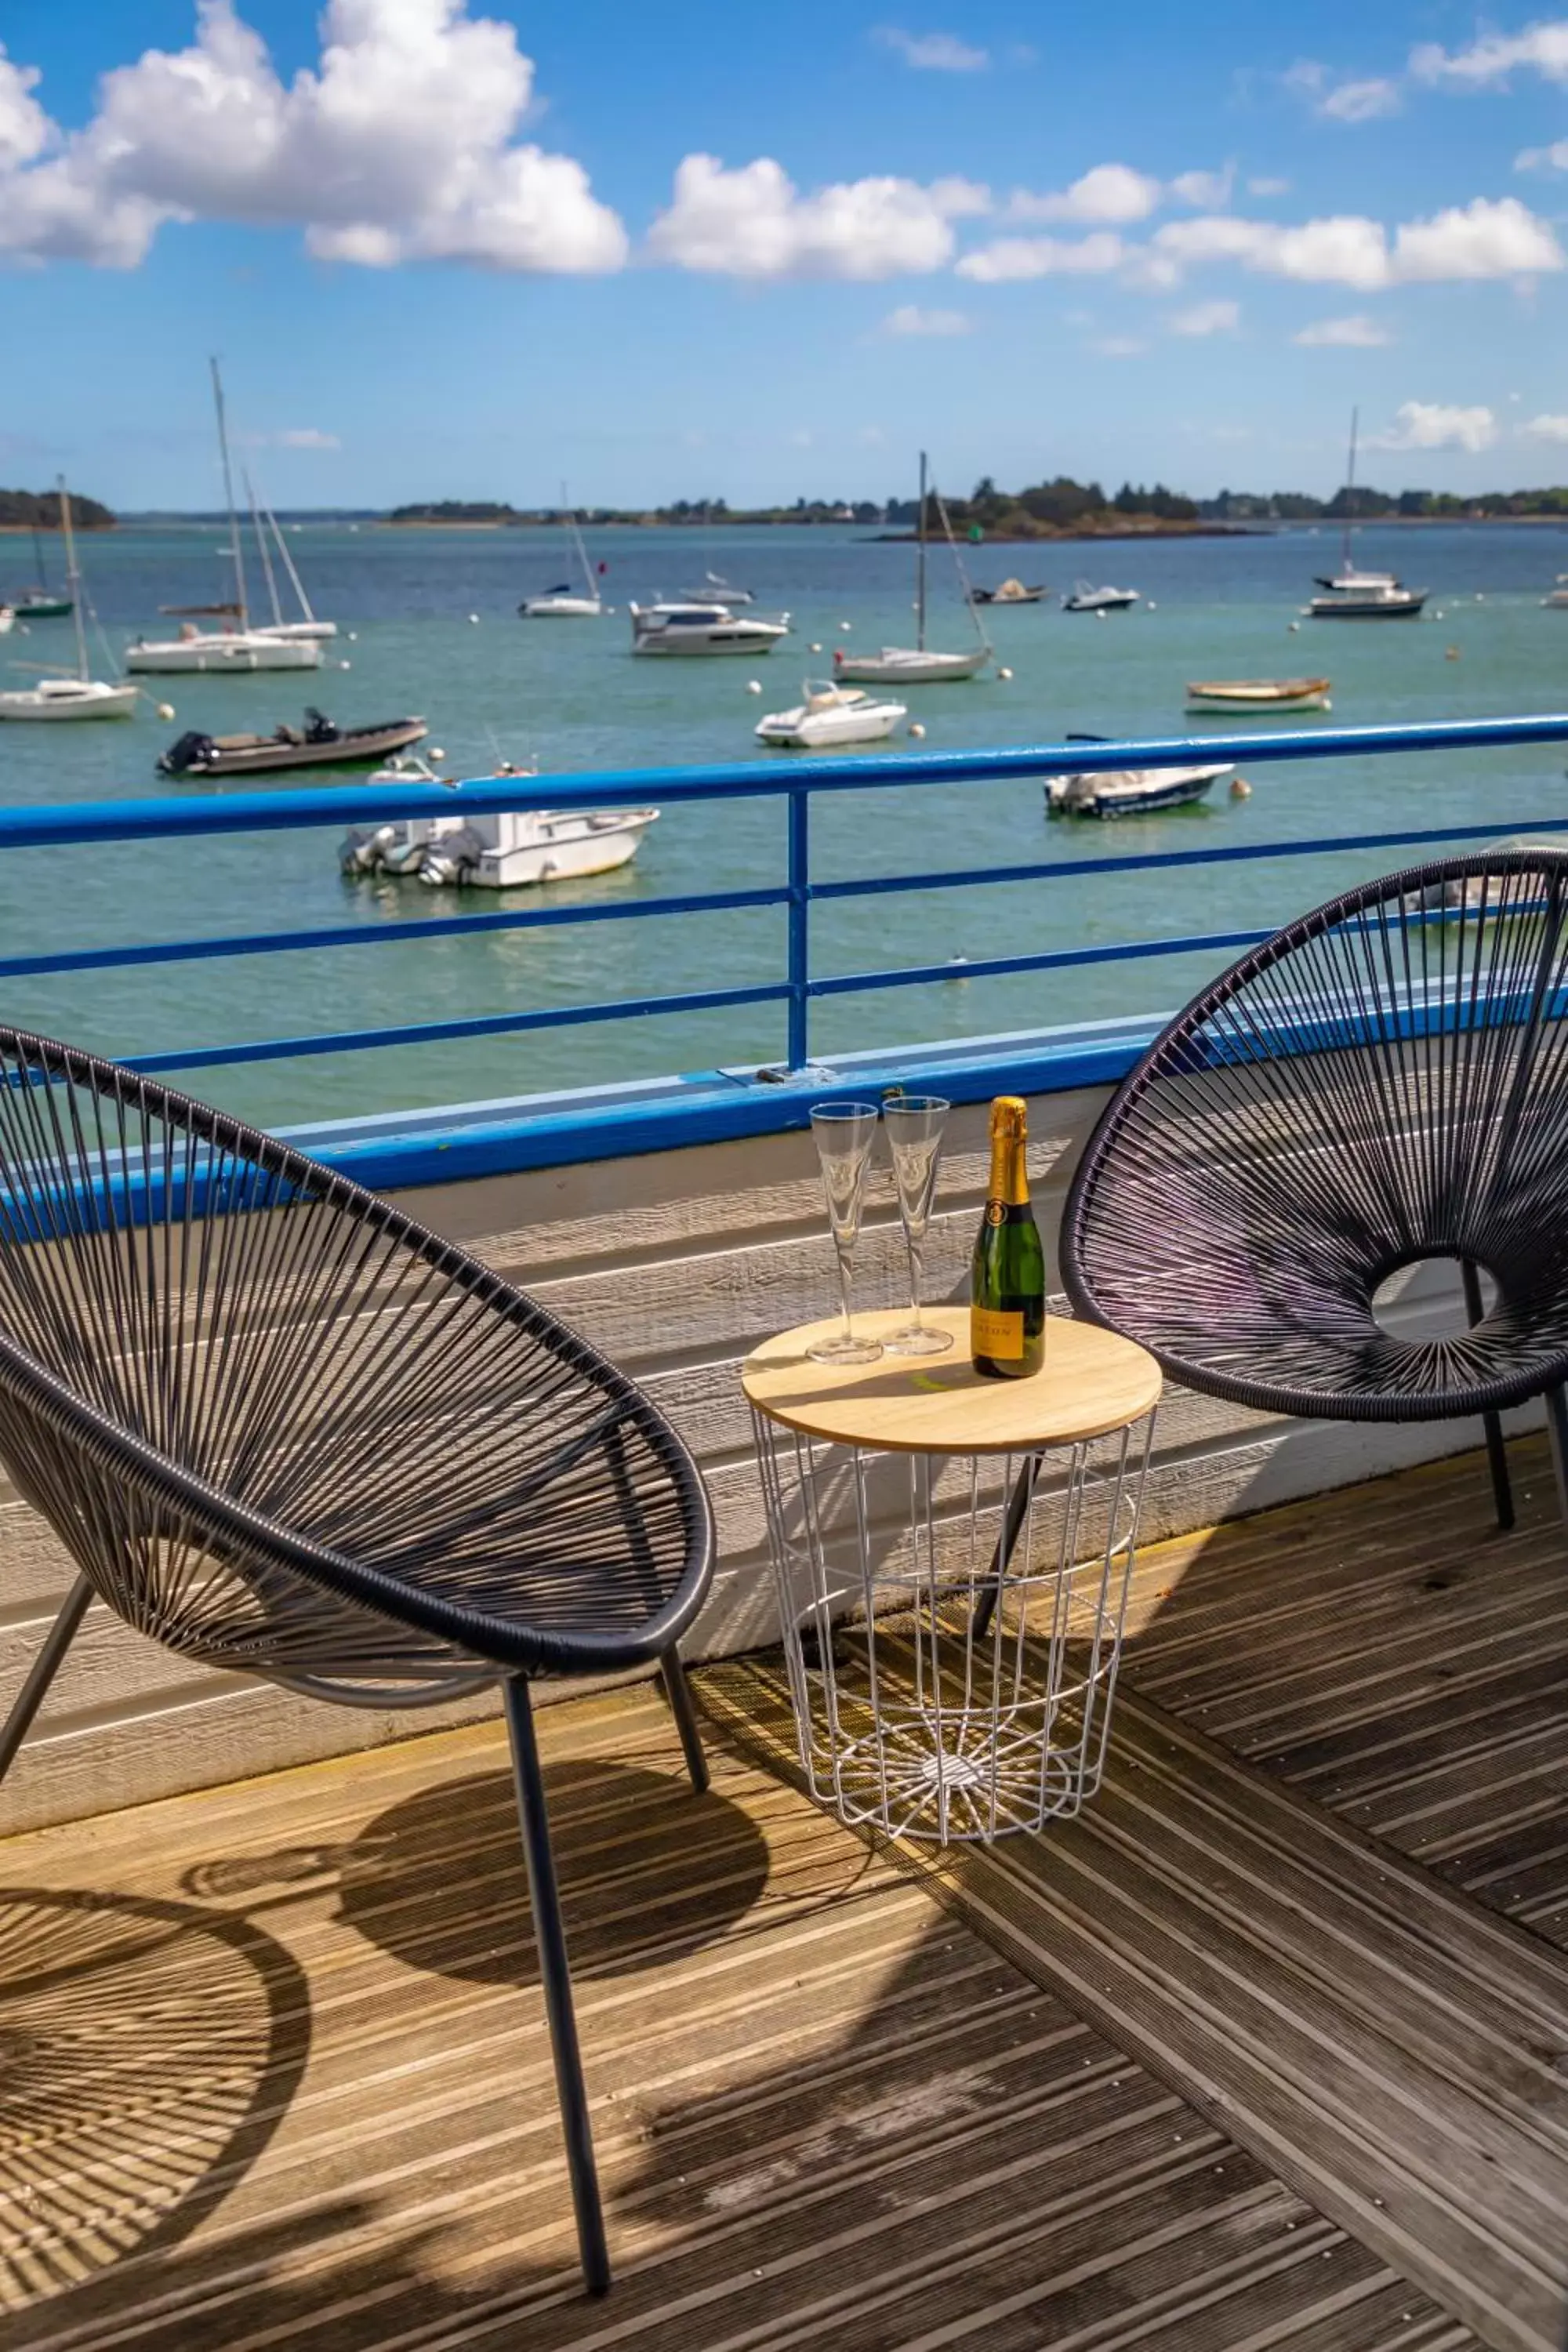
point(830, 714)
point(676, 629)
point(1011, 592)
point(1556, 601)
point(505, 849)
point(917, 665)
point(318, 744)
point(1258, 696)
point(1128, 792)
point(719, 591)
point(66, 697)
point(1087, 598)
point(564, 603)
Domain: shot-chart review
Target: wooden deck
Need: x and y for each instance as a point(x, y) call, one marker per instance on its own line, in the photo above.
point(1270, 2048)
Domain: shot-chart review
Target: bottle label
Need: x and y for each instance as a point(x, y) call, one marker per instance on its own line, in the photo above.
point(996, 1332)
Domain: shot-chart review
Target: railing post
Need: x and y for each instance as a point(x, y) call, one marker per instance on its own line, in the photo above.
point(799, 1052)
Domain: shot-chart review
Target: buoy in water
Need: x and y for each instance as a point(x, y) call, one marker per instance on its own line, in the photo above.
point(845, 627)
point(1294, 626)
point(1100, 612)
point(1451, 653)
point(436, 753)
point(754, 686)
point(474, 620)
point(815, 648)
point(354, 636)
point(344, 664)
point(1240, 790)
point(1004, 673)
point(918, 732)
point(1150, 606)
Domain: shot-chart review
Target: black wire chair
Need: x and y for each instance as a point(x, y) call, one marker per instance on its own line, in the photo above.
point(285, 1430)
point(1384, 1081)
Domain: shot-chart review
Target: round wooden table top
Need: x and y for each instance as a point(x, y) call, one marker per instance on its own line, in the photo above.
point(1092, 1381)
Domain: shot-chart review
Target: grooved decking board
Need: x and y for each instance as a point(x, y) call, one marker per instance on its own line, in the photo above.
point(273, 2078)
point(1393, 2052)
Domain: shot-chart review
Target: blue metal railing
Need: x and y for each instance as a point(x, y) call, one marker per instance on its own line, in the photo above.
point(796, 783)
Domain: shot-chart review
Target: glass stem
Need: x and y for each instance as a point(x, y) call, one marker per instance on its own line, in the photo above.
point(846, 1271)
point(917, 1282)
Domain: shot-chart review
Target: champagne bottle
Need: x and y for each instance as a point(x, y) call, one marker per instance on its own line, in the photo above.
point(1008, 1311)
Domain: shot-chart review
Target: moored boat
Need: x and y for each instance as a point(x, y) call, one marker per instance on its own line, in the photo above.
point(676, 628)
point(1352, 595)
point(66, 698)
point(717, 590)
point(564, 603)
point(1258, 696)
point(1556, 599)
point(504, 849)
point(1130, 791)
point(1087, 598)
point(318, 744)
point(831, 714)
point(1011, 592)
point(919, 664)
point(41, 606)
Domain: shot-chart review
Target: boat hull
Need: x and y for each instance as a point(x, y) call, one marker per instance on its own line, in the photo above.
point(30, 705)
point(509, 850)
point(895, 667)
point(1139, 791)
point(355, 747)
point(217, 656)
point(821, 730)
point(690, 644)
point(562, 608)
point(298, 633)
point(1257, 701)
point(1406, 607)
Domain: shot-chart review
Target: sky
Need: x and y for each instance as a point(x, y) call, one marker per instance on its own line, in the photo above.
point(472, 248)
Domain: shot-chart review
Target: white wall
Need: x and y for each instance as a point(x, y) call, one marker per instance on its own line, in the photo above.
point(674, 1264)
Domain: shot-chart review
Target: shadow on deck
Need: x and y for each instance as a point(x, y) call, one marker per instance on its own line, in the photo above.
point(1249, 2056)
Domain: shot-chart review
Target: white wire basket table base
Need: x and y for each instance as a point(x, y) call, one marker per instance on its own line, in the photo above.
point(951, 1621)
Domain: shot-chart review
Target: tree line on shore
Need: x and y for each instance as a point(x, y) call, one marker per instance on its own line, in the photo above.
point(40, 510)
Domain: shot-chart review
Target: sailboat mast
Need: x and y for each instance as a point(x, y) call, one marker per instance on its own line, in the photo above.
point(290, 566)
point(262, 548)
point(920, 564)
point(1350, 491)
point(228, 492)
point(73, 579)
point(569, 514)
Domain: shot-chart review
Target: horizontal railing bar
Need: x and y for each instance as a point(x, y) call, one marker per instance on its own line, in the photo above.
point(855, 983)
point(360, 935)
point(1320, 845)
point(169, 814)
point(438, 1033)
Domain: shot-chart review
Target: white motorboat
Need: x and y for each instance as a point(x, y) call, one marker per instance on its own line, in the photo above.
point(719, 591)
point(564, 603)
point(504, 849)
point(1252, 698)
point(80, 697)
point(1087, 598)
point(1354, 595)
point(831, 714)
point(677, 628)
point(1128, 792)
point(1557, 600)
point(242, 647)
point(917, 665)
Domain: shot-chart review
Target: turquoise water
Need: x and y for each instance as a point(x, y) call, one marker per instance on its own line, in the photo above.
point(570, 693)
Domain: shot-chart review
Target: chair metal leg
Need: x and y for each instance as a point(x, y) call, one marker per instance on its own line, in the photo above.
point(1557, 1427)
point(550, 1936)
point(1497, 1453)
point(42, 1671)
point(678, 1691)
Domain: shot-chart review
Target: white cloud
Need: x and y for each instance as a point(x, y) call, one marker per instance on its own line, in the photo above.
point(1480, 239)
point(1540, 49)
point(398, 145)
point(1543, 159)
point(1360, 101)
point(1207, 318)
point(1429, 424)
point(1207, 192)
point(754, 223)
point(307, 436)
point(1543, 428)
point(1268, 187)
point(909, 319)
point(1484, 239)
point(1011, 258)
point(1357, 333)
point(1118, 347)
point(1112, 194)
point(934, 52)
point(25, 127)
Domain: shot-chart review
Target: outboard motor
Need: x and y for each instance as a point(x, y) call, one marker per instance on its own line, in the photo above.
point(319, 728)
point(452, 857)
point(192, 751)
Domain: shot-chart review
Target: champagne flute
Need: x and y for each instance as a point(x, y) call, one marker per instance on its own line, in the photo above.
point(915, 1124)
point(845, 1133)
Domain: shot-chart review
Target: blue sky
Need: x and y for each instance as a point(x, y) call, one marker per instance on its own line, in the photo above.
point(464, 248)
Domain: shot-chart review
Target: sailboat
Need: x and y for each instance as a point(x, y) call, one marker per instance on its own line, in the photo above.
point(307, 629)
point(915, 665)
point(240, 649)
point(563, 602)
point(80, 697)
point(39, 603)
point(1352, 595)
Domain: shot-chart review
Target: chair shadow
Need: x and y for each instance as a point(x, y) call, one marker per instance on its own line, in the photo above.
point(148, 2053)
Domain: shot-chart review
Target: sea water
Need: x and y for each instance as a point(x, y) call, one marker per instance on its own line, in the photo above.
point(429, 624)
